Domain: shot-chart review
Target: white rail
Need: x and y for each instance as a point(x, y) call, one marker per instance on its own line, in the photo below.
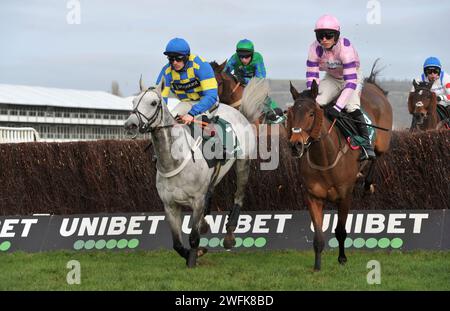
point(18, 134)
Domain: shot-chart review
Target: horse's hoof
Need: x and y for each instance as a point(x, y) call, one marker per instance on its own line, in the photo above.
point(229, 241)
point(201, 251)
point(192, 258)
point(316, 269)
point(342, 260)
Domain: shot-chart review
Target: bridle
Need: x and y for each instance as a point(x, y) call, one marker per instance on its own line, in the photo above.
point(420, 104)
point(309, 140)
point(146, 123)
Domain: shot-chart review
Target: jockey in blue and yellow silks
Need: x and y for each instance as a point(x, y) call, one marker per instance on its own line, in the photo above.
point(191, 79)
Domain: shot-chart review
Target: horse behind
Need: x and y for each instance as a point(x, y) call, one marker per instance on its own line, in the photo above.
point(229, 89)
point(422, 105)
point(328, 167)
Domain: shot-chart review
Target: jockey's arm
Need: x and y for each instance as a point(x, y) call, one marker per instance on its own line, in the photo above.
point(350, 75)
point(260, 69)
point(312, 66)
point(445, 98)
point(229, 67)
point(208, 83)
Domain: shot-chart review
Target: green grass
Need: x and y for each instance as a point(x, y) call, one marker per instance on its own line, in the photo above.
point(262, 270)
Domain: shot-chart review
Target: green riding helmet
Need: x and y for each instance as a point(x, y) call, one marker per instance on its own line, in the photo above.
point(245, 45)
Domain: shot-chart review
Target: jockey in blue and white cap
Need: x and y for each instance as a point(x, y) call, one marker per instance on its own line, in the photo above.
point(433, 72)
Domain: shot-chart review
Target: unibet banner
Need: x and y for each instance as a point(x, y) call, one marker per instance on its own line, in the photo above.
point(405, 230)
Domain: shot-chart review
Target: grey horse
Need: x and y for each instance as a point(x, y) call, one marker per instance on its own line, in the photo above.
point(183, 177)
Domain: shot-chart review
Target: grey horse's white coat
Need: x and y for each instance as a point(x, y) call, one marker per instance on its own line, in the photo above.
point(191, 184)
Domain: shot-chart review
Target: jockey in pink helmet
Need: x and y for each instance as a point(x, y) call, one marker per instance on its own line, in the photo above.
point(343, 78)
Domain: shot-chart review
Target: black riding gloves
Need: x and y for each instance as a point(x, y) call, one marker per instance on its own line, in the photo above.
point(333, 113)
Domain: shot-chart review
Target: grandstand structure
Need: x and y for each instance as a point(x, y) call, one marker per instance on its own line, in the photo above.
point(60, 114)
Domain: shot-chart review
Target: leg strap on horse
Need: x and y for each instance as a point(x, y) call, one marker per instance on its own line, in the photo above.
point(233, 217)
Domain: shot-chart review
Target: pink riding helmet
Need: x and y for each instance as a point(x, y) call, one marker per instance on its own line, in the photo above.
point(328, 22)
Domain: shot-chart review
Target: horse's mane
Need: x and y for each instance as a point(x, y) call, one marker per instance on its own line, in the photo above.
point(373, 75)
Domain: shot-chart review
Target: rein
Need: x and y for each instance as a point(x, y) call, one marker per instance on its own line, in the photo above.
point(315, 127)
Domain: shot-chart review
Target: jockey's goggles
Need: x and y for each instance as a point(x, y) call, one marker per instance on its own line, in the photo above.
point(430, 70)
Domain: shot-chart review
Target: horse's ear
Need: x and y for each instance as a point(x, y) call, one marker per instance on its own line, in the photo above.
point(415, 84)
point(314, 89)
point(221, 67)
point(160, 86)
point(429, 85)
point(294, 92)
point(141, 84)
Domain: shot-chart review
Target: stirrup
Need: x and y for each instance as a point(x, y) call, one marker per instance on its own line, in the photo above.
point(365, 155)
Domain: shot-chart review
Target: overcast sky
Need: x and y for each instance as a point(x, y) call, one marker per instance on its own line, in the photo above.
point(119, 40)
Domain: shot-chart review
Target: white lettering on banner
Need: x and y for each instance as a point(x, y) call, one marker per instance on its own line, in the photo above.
point(214, 222)
point(418, 221)
point(134, 225)
point(103, 225)
point(7, 227)
point(282, 221)
point(155, 220)
point(358, 223)
point(394, 223)
point(88, 225)
point(375, 223)
point(258, 223)
point(117, 225)
point(10, 227)
point(63, 230)
point(27, 227)
point(244, 224)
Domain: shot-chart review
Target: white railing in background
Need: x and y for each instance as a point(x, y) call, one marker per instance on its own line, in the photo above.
point(18, 134)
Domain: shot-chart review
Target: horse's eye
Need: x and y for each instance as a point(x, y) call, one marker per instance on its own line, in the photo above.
point(154, 103)
point(311, 114)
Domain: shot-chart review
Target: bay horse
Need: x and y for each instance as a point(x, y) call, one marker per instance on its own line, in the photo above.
point(422, 105)
point(229, 89)
point(330, 168)
point(183, 176)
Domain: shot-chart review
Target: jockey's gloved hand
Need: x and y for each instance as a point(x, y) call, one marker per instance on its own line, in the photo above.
point(278, 111)
point(333, 113)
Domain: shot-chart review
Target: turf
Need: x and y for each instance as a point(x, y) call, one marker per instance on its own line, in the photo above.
point(262, 270)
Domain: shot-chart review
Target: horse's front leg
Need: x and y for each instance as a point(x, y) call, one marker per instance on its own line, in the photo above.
point(194, 236)
point(173, 215)
point(242, 173)
point(340, 232)
point(315, 207)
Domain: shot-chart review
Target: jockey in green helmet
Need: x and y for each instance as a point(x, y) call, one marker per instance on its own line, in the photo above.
point(246, 64)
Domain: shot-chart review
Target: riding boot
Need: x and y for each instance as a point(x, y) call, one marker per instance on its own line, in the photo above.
point(274, 114)
point(367, 151)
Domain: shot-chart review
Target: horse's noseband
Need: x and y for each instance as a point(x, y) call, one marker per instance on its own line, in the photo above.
point(296, 130)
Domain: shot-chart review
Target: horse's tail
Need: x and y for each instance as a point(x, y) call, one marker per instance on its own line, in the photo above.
point(255, 93)
point(373, 74)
